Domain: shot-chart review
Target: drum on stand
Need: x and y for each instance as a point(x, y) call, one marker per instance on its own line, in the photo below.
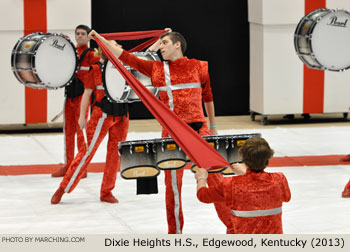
point(47, 60)
point(168, 154)
point(137, 159)
point(220, 144)
point(236, 142)
point(117, 89)
point(322, 39)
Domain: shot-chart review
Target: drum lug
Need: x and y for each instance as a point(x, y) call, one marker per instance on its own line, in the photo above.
point(162, 147)
point(227, 144)
point(217, 144)
point(131, 149)
point(154, 149)
point(147, 148)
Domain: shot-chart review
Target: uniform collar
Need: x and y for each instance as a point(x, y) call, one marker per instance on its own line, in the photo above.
point(178, 61)
point(250, 172)
point(82, 48)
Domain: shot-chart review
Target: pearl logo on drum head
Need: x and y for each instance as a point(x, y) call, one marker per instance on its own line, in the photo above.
point(334, 22)
point(58, 46)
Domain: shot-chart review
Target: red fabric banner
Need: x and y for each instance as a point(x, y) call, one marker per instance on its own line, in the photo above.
point(132, 35)
point(135, 35)
point(196, 148)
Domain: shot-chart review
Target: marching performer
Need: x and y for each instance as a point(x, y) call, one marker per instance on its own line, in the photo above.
point(73, 94)
point(106, 117)
point(255, 197)
point(183, 83)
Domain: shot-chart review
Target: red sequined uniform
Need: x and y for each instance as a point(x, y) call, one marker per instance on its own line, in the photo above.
point(71, 113)
point(97, 128)
point(251, 192)
point(183, 84)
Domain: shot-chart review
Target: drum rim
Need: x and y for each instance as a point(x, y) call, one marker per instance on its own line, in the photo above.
point(14, 50)
point(136, 166)
point(309, 39)
point(164, 139)
point(104, 83)
point(209, 171)
point(124, 143)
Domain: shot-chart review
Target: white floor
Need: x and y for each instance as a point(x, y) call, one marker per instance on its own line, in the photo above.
point(316, 205)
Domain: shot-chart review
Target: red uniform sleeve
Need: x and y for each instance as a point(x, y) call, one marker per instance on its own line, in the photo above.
point(93, 78)
point(205, 81)
point(286, 195)
point(143, 66)
point(211, 194)
point(92, 58)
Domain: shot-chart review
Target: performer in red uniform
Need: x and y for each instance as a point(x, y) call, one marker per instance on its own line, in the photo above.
point(183, 83)
point(73, 95)
point(255, 197)
point(107, 117)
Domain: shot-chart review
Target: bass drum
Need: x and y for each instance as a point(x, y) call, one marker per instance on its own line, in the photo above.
point(322, 39)
point(47, 60)
point(117, 89)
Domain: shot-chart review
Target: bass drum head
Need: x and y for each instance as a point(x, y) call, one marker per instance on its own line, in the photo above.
point(55, 61)
point(113, 82)
point(331, 40)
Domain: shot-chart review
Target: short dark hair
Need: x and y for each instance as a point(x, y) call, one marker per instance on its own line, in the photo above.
point(175, 37)
point(256, 153)
point(83, 27)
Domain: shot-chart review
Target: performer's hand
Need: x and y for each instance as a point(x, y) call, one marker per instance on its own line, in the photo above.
point(214, 131)
point(82, 122)
point(92, 34)
point(201, 174)
point(239, 169)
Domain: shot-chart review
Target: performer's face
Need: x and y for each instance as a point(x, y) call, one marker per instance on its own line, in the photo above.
point(168, 49)
point(81, 36)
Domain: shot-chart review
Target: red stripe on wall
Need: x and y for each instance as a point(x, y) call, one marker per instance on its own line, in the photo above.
point(313, 98)
point(35, 100)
